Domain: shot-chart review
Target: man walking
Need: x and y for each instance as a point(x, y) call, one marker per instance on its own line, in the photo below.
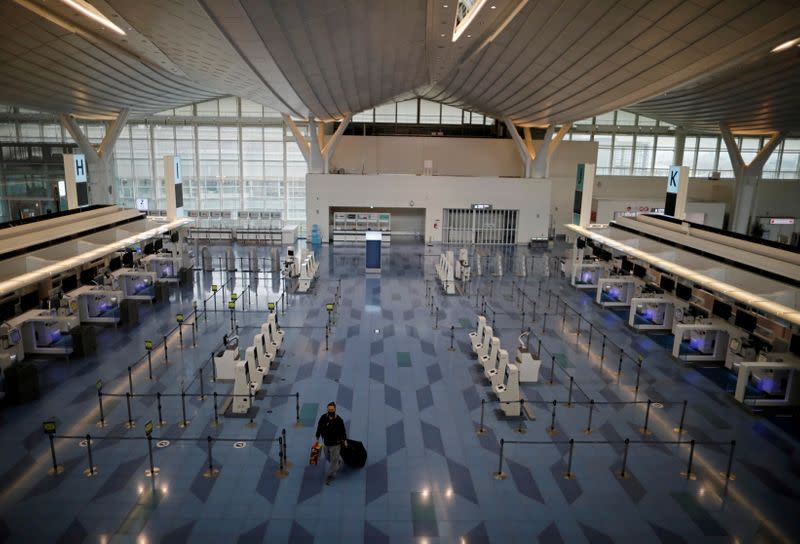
point(331, 429)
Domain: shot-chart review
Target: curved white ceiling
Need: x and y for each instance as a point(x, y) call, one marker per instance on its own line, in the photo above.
point(535, 61)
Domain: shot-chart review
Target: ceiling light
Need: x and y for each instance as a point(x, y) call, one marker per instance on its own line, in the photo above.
point(91, 12)
point(442, 35)
point(444, 5)
point(493, 6)
point(786, 45)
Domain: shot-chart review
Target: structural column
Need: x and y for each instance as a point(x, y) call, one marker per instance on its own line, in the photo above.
point(101, 188)
point(536, 163)
point(747, 176)
point(316, 151)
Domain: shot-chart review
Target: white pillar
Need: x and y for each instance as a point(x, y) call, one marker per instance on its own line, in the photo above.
point(173, 187)
point(677, 192)
point(315, 162)
point(584, 188)
point(76, 181)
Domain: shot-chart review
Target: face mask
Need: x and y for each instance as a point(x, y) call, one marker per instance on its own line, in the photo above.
point(331, 414)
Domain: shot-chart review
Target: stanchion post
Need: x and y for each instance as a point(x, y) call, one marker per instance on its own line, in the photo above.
point(184, 423)
point(569, 475)
point(552, 369)
point(149, 364)
point(285, 457)
point(297, 422)
point(481, 430)
point(130, 380)
point(645, 431)
point(728, 475)
point(544, 322)
point(452, 338)
point(688, 474)
point(589, 347)
point(216, 411)
point(520, 429)
point(588, 429)
point(679, 429)
point(552, 429)
point(619, 367)
point(251, 423)
point(638, 373)
point(499, 474)
point(130, 424)
point(211, 472)
point(57, 469)
point(158, 404)
point(152, 466)
point(166, 355)
point(603, 352)
point(569, 396)
point(100, 402)
point(214, 368)
point(436, 322)
point(92, 470)
point(202, 392)
point(623, 473)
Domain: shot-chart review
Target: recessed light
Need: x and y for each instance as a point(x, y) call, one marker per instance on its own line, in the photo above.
point(469, 35)
point(444, 5)
point(786, 45)
point(493, 7)
point(442, 35)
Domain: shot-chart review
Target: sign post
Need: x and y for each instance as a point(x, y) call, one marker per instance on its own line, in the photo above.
point(49, 428)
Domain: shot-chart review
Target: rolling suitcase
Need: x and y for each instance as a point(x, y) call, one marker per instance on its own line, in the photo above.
point(354, 455)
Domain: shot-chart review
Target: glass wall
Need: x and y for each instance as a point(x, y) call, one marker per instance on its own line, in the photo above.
point(634, 145)
point(421, 111)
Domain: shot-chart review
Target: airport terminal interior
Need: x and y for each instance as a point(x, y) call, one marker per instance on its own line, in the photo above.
point(542, 258)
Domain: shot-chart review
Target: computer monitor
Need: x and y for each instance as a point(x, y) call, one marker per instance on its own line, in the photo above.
point(69, 283)
point(14, 336)
point(148, 249)
point(596, 251)
point(127, 259)
point(627, 266)
point(606, 255)
point(745, 320)
point(7, 310)
point(174, 237)
point(158, 245)
point(720, 309)
point(29, 301)
point(581, 243)
point(683, 292)
point(88, 276)
point(115, 263)
point(667, 284)
point(290, 252)
point(794, 345)
point(639, 271)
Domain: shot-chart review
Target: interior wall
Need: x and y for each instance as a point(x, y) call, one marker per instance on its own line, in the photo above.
point(431, 193)
point(406, 222)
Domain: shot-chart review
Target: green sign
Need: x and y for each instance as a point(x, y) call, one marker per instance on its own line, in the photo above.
point(179, 318)
point(49, 427)
point(329, 306)
point(148, 427)
point(231, 305)
point(234, 296)
point(99, 385)
point(194, 304)
point(148, 345)
point(270, 306)
point(214, 287)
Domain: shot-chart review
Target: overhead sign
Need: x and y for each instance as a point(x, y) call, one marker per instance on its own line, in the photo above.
point(80, 167)
point(673, 180)
point(481, 206)
point(781, 220)
point(142, 204)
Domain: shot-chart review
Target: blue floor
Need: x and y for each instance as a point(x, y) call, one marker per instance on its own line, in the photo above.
point(416, 405)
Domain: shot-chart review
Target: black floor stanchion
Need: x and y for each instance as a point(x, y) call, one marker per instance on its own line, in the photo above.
point(130, 381)
point(214, 367)
point(149, 364)
point(216, 411)
point(436, 322)
point(130, 424)
point(688, 474)
point(728, 475)
point(158, 404)
point(92, 470)
point(297, 423)
point(481, 430)
point(679, 428)
point(552, 369)
point(202, 392)
point(603, 352)
point(499, 474)
point(151, 473)
point(250, 423)
point(619, 367)
point(286, 463)
point(520, 429)
point(211, 472)
point(645, 431)
point(588, 429)
point(102, 422)
point(623, 474)
point(184, 423)
point(544, 322)
point(166, 355)
point(552, 429)
point(58, 469)
point(569, 395)
point(638, 373)
point(589, 347)
point(569, 475)
point(452, 338)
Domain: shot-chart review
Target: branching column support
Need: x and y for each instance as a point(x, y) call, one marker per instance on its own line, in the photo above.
point(101, 175)
point(316, 151)
point(536, 163)
point(747, 176)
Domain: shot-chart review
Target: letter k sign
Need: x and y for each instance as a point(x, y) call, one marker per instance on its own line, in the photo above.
point(673, 182)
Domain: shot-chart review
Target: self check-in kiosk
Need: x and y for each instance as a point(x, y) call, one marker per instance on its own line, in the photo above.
point(651, 313)
point(134, 284)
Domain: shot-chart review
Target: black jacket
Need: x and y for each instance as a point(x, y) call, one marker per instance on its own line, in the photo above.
point(332, 430)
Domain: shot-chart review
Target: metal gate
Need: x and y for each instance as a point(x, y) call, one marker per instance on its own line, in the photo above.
point(467, 226)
